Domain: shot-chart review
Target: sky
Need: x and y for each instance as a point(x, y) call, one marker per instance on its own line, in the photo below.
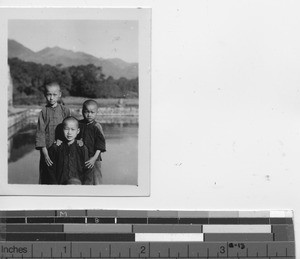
point(100, 38)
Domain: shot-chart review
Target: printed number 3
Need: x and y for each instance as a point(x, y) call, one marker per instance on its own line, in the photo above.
point(222, 249)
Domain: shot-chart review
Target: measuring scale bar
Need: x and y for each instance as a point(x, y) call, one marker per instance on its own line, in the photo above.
point(151, 234)
point(147, 249)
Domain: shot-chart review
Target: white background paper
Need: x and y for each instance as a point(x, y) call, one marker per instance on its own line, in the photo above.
point(225, 119)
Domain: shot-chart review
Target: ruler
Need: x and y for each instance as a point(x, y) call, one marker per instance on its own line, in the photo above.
point(146, 234)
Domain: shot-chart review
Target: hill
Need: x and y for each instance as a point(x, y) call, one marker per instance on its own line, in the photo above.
point(58, 56)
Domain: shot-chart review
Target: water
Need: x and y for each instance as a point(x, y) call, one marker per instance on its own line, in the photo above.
point(119, 165)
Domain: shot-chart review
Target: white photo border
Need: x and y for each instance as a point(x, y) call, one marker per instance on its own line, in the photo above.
point(143, 16)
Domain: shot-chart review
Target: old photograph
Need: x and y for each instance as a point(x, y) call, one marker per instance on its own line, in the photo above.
point(78, 100)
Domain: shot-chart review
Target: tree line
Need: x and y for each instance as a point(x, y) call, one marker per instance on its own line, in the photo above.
point(29, 80)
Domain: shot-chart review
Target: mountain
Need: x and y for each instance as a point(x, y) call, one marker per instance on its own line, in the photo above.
point(53, 56)
point(15, 49)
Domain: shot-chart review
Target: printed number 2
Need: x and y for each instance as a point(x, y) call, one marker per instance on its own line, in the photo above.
point(143, 249)
point(222, 249)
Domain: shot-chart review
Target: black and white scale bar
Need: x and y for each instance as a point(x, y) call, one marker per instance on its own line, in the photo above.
point(146, 249)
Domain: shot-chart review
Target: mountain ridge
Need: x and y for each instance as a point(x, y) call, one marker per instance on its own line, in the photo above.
point(114, 67)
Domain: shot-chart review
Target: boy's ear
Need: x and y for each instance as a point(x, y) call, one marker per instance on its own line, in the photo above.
point(78, 130)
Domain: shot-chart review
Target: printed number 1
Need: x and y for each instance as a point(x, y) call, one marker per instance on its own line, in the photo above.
point(65, 249)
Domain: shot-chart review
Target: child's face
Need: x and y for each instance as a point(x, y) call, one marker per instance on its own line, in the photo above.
point(89, 112)
point(71, 130)
point(53, 94)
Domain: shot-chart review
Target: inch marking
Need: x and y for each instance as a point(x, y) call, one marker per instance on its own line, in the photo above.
point(227, 248)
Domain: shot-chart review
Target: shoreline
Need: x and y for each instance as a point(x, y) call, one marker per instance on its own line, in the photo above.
point(108, 114)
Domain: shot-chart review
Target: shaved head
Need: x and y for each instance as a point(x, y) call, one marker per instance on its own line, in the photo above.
point(53, 84)
point(70, 119)
point(90, 102)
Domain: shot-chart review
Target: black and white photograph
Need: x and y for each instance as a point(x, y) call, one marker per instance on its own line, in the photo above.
point(78, 87)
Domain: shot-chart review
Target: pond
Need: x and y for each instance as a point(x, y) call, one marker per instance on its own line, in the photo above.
point(119, 165)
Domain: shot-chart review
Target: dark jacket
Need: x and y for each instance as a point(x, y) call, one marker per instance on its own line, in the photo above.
point(93, 137)
point(69, 163)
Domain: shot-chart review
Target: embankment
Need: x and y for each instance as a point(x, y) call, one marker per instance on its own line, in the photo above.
point(105, 115)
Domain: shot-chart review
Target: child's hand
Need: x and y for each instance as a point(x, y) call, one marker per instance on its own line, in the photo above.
point(58, 142)
point(90, 163)
point(48, 161)
point(80, 142)
point(47, 158)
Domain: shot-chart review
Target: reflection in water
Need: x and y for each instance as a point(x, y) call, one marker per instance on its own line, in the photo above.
point(21, 143)
point(119, 162)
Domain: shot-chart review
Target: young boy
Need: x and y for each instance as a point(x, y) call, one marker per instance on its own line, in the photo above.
point(50, 116)
point(69, 158)
point(93, 137)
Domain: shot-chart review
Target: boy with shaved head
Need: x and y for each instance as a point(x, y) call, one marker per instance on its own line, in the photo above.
point(69, 158)
point(49, 118)
point(93, 137)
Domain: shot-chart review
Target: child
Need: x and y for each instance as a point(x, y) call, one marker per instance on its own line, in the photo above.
point(50, 116)
point(93, 137)
point(69, 158)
